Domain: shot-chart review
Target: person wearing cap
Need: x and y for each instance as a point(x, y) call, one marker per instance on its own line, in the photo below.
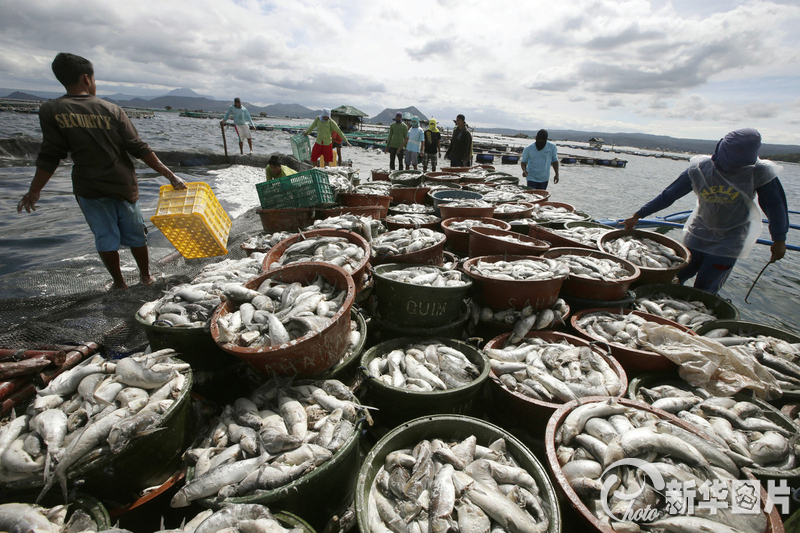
point(431, 146)
point(726, 222)
point(276, 170)
point(323, 147)
point(460, 149)
point(537, 159)
point(395, 141)
point(242, 123)
point(413, 143)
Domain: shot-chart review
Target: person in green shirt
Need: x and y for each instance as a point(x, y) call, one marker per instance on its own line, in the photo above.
point(276, 170)
point(394, 144)
point(323, 147)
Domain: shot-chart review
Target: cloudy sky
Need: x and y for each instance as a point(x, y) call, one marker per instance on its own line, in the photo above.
point(683, 68)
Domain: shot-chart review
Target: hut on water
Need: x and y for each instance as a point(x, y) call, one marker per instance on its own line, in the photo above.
point(596, 143)
point(348, 117)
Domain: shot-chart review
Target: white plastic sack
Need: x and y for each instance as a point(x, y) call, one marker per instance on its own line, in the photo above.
point(705, 363)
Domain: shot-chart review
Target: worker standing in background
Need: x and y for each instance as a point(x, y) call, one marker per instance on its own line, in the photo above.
point(537, 159)
point(242, 123)
point(394, 143)
point(324, 145)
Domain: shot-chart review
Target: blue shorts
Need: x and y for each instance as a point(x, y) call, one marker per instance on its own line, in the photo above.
point(538, 184)
point(711, 270)
point(113, 223)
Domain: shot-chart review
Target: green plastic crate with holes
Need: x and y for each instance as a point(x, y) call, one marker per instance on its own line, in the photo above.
point(305, 189)
point(301, 147)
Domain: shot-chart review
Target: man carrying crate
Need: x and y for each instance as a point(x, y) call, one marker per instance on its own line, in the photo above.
point(324, 145)
point(99, 136)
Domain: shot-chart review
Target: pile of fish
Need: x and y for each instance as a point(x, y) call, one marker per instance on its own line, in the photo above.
point(512, 238)
point(498, 196)
point(24, 518)
point(539, 269)
point(427, 276)
point(415, 219)
point(597, 435)
point(687, 313)
point(552, 213)
point(95, 408)
point(583, 234)
point(367, 227)
point(265, 241)
point(278, 313)
point(552, 371)
point(339, 251)
point(478, 187)
point(413, 208)
point(600, 268)
point(620, 329)
point(740, 428)
point(424, 367)
point(192, 304)
point(269, 439)
point(465, 225)
point(523, 320)
point(467, 202)
point(380, 188)
point(509, 208)
point(778, 357)
point(501, 177)
point(339, 181)
point(440, 487)
point(406, 240)
point(643, 252)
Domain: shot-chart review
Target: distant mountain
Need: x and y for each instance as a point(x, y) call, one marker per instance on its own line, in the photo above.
point(387, 115)
point(185, 91)
point(643, 140)
point(289, 110)
point(40, 95)
point(18, 95)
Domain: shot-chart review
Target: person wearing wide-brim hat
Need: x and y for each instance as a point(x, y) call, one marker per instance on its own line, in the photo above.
point(432, 146)
point(413, 143)
point(726, 222)
point(324, 145)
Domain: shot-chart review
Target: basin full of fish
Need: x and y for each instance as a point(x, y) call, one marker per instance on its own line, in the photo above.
point(339, 251)
point(465, 225)
point(279, 313)
point(367, 227)
point(406, 240)
point(269, 439)
point(553, 213)
point(583, 234)
point(745, 431)
point(467, 203)
point(553, 371)
point(778, 357)
point(643, 252)
point(263, 242)
point(420, 209)
point(439, 486)
point(604, 442)
point(621, 329)
point(380, 188)
point(479, 187)
point(340, 182)
point(599, 268)
point(92, 410)
point(425, 366)
point(192, 304)
point(521, 321)
point(510, 208)
point(426, 276)
point(513, 239)
point(413, 219)
point(687, 313)
point(233, 518)
point(539, 269)
point(500, 196)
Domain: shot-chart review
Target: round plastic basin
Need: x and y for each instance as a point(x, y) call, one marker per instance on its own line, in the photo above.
point(593, 288)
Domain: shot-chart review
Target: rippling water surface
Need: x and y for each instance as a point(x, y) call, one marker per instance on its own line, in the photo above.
point(57, 230)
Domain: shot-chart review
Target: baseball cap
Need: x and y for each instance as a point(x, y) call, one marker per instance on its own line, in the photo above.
point(460, 116)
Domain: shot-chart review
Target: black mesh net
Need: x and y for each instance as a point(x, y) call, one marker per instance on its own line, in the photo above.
point(66, 302)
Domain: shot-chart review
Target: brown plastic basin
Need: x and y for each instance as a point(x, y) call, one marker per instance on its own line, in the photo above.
point(592, 288)
point(458, 241)
point(484, 241)
point(651, 275)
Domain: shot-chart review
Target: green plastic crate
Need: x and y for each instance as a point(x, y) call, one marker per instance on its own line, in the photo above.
point(301, 147)
point(305, 189)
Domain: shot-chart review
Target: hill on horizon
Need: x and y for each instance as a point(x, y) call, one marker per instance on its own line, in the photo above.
point(387, 115)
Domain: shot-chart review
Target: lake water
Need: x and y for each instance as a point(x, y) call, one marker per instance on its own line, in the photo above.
point(57, 231)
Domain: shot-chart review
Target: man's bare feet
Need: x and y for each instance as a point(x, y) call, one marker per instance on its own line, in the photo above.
point(147, 281)
point(114, 286)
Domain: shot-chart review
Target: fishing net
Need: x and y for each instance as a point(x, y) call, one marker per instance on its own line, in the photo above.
point(67, 303)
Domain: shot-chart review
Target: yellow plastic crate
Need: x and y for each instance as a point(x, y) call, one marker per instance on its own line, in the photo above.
point(193, 220)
